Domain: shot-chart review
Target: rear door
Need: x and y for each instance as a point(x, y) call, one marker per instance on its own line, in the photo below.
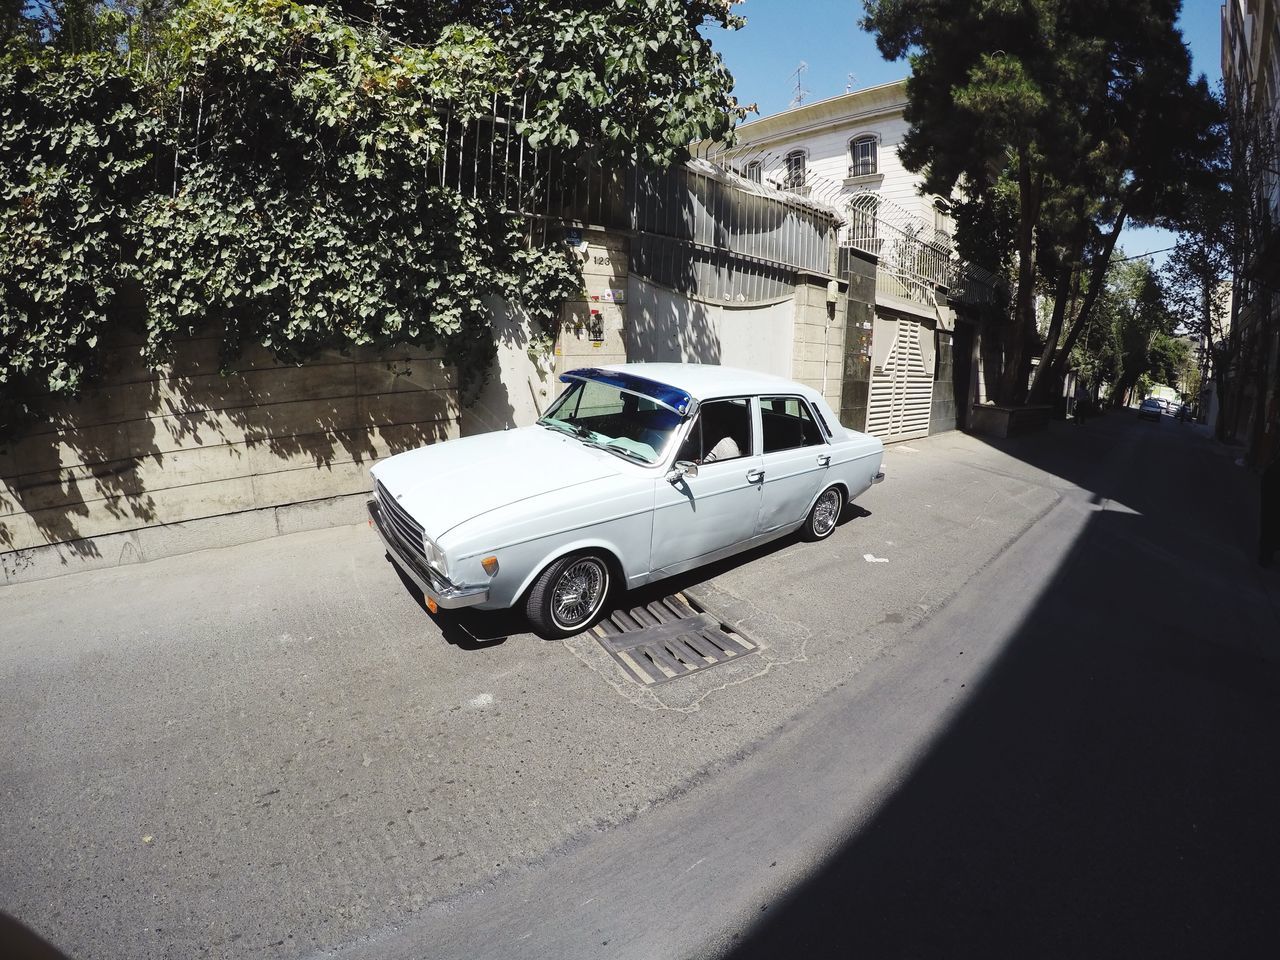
point(795, 457)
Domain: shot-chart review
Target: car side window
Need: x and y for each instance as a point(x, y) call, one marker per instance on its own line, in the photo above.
point(788, 424)
point(722, 431)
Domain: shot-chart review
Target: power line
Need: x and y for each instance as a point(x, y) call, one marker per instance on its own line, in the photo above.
point(1139, 256)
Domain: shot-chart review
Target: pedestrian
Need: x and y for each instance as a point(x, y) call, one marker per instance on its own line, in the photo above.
point(1082, 402)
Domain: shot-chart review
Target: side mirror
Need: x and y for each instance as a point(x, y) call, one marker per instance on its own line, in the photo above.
point(681, 470)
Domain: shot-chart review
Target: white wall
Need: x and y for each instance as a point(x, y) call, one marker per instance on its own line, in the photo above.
point(664, 326)
point(521, 382)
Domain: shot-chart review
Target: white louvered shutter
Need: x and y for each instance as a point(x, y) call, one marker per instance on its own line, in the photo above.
point(902, 384)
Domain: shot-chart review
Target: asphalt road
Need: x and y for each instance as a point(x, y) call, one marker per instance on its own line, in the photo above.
point(1025, 705)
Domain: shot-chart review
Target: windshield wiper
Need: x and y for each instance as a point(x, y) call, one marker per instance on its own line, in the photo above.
point(559, 425)
point(619, 451)
point(587, 436)
point(624, 452)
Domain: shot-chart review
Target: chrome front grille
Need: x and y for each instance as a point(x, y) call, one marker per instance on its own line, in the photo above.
point(406, 529)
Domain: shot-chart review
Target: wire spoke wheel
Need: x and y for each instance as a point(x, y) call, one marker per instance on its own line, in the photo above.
point(826, 511)
point(578, 593)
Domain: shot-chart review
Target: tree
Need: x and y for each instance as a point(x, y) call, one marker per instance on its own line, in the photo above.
point(1059, 121)
point(1130, 334)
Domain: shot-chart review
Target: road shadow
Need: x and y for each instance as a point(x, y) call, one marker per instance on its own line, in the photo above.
point(20, 942)
point(1109, 788)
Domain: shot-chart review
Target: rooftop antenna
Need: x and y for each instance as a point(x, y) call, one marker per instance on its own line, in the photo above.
point(797, 98)
point(850, 80)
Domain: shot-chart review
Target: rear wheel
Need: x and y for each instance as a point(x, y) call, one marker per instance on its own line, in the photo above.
point(821, 522)
point(568, 595)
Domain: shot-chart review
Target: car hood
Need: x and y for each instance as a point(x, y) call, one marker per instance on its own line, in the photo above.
point(449, 483)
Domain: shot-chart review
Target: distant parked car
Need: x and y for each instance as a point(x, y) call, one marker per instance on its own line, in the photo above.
point(636, 472)
point(1152, 408)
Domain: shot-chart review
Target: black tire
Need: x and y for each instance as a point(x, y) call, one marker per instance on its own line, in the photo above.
point(553, 608)
point(824, 515)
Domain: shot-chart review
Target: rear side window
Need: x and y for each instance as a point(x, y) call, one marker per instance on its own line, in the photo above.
point(788, 423)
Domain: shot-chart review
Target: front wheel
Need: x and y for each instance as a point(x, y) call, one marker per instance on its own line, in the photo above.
point(568, 595)
point(821, 522)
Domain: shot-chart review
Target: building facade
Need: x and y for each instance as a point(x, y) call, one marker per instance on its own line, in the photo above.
point(1251, 77)
point(909, 366)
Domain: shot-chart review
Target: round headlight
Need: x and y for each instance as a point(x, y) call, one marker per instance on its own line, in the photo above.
point(435, 556)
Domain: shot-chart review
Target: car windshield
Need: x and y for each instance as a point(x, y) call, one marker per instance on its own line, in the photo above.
point(625, 424)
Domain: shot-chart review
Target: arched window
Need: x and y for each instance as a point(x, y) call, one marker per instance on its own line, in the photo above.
point(754, 169)
point(863, 156)
point(794, 178)
point(942, 217)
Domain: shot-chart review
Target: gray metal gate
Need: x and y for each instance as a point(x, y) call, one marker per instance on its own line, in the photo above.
point(901, 379)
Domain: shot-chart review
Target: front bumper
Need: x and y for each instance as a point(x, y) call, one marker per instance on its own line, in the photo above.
point(434, 586)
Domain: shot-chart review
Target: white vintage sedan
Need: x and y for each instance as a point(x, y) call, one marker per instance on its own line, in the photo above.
point(636, 472)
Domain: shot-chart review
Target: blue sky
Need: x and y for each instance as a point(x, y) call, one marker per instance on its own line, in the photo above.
point(824, 34)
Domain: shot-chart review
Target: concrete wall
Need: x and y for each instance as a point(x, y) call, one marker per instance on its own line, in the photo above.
point(818, 338)
point(521, 380)
point(665, 326)
point(592, 326)
point(162, 461)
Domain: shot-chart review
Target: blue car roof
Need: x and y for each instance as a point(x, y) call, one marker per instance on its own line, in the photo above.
point(673, 398)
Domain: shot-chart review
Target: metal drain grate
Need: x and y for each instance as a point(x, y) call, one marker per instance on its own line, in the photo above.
point(669, 638)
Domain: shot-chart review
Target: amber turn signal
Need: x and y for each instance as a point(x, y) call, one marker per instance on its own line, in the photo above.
point(490, 565)
point(431, 605)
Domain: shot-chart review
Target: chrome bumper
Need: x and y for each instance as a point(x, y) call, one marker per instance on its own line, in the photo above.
point(434, 586)
point(878, 478)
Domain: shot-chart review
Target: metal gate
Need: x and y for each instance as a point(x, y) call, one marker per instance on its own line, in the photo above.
point(901, 379)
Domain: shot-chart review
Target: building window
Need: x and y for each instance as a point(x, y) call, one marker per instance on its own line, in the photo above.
point(942, 217)
point(794, 177)
point(863, 156)
point(754, 169)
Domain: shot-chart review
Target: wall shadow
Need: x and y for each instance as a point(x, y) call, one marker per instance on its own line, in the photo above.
point(665, 327)
point(160, 445)
point(1109, 789)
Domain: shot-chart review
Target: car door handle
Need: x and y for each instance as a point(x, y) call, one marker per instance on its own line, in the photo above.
point(755, 476)
point(824, 460)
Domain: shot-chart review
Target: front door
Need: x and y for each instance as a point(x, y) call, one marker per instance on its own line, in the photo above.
point(794, 461)
point(696, 518)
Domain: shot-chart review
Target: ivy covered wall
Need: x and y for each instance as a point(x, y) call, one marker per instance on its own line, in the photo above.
point(310, 177)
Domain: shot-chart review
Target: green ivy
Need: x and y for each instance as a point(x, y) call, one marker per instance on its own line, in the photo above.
point(74, 160)
point(304, 215)
point(291, 175)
